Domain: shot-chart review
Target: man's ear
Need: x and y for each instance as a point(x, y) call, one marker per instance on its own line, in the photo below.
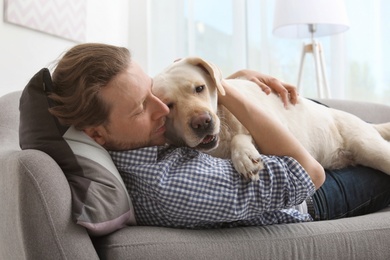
point(97, 133)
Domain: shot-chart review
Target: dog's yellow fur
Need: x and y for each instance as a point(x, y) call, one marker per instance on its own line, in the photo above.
point(334, 138)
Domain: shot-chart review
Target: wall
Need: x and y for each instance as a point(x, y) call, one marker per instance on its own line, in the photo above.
point(24, 51)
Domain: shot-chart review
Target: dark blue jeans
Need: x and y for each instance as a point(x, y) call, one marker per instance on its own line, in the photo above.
point(351, 191)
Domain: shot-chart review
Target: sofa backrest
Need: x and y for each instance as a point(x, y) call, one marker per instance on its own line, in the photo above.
point(370, 112)
point(35, 199)
point(9, 120)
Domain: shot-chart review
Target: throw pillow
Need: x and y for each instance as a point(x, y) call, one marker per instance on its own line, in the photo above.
point(100, 201)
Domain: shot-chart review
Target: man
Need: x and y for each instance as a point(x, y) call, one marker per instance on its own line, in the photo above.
point(102, 92)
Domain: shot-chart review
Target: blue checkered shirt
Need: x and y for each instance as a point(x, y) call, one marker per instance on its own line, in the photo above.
point(184, 188)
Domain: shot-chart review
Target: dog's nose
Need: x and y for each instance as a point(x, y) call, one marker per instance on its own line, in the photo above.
point(201, 122)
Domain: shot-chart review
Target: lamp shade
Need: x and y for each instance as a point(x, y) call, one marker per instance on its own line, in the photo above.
point(293, 17)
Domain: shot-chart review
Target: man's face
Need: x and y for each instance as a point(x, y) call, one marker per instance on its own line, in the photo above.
point(137, 117)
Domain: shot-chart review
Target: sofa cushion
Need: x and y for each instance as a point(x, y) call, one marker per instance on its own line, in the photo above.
point(100, 201)
point(364, 237)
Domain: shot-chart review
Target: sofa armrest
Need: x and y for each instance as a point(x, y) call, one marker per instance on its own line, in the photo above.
point(36, 211)
point(368, 111)
point(35, 200)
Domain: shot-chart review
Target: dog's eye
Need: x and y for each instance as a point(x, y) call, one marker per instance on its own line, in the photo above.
point(199, 89)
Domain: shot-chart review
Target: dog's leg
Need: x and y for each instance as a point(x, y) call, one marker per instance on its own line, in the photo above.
point(374, 153)
point(366, 144)
point(384, 130)
point(245, 157)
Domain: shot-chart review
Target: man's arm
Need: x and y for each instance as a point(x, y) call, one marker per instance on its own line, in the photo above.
point(287, 92)
point(270, 136)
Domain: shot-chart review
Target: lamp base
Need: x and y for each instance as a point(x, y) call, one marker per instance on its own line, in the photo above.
point(315, 48)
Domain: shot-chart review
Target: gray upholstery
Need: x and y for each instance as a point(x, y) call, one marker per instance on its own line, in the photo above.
point(35, 200)
point(35, 217)
point(370, 112)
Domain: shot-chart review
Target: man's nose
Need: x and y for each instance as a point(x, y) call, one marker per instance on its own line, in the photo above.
point(161, 108)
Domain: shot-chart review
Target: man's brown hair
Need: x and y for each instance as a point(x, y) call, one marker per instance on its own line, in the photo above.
point(78, 78)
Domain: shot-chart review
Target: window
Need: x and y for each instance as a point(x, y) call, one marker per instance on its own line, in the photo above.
point(237, 34)
point(367, 53)
point(209, 29)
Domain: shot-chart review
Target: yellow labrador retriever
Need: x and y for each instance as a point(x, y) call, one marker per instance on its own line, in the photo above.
point(335, 138)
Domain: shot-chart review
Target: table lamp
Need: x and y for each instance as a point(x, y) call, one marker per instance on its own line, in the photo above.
point(310, 19)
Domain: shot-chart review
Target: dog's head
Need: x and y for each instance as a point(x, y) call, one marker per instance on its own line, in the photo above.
point(189, 88)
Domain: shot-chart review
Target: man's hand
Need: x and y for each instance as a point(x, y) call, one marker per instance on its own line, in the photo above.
point(288, 93)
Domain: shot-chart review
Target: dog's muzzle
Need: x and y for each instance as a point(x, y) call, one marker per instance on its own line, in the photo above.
point(208, 143)
point(203, 126)
point(201, 122)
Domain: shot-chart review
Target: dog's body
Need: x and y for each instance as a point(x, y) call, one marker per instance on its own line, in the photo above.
point(334, 138)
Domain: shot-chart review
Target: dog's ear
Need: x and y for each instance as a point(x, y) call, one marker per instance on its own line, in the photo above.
point(210, 69)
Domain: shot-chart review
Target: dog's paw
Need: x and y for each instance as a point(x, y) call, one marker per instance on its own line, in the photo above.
point(248, 163)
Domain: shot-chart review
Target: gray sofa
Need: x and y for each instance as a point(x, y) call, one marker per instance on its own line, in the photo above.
point(35, 217)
